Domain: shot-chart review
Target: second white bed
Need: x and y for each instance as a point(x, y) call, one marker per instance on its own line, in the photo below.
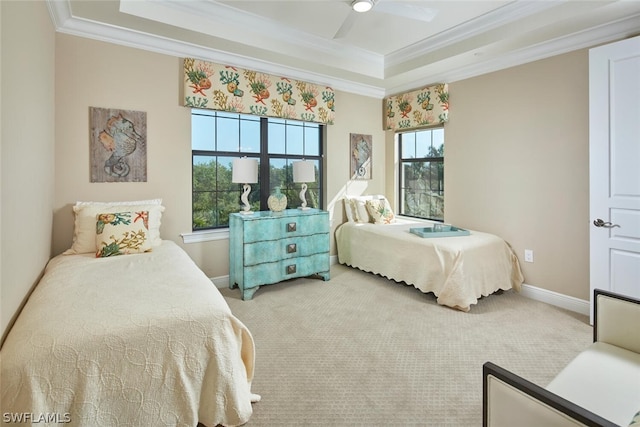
point(458, 270)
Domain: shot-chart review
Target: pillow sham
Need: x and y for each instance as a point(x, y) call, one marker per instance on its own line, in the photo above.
point(356, 207)
point(122, 233)
point(380, 211)
point(84, 232)
point(360, 209)
point(348, 210)
point(351, 210)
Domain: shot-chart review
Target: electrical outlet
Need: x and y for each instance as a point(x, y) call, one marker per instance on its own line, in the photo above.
point(528, 255)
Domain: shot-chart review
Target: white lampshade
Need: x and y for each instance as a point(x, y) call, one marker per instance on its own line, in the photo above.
point(362, 5)
point(304, 171)
point(245, 171)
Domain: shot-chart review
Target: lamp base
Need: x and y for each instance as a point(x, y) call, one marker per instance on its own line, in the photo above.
point(246, 207)
point(303, 208)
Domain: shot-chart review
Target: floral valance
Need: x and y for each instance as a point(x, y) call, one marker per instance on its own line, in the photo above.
point(419, 108)
point(228, 88)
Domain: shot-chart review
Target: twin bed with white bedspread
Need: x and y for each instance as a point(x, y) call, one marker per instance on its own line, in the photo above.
point(135, 340)
point(458, 270)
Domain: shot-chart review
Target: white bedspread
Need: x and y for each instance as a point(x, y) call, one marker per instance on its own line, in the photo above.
point(458, 270)
point(133, 340)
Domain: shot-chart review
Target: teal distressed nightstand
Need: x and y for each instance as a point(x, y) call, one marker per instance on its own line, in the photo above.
point(269, 247)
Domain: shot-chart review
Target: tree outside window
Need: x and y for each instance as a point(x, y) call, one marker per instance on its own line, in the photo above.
point(421, 171)
point(218, 137)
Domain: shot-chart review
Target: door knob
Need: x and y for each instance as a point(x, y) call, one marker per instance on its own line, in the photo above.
point(600, 223)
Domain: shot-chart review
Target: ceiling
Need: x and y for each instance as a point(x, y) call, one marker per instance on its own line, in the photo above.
point(396, 46)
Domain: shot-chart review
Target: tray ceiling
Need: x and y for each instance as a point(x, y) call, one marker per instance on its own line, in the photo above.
point(396, 46)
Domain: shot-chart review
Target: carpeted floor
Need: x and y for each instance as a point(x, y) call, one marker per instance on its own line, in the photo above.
point(360, 350)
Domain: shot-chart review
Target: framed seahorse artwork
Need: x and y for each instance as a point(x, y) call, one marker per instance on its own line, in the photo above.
point(361, 148)
point(118, 145)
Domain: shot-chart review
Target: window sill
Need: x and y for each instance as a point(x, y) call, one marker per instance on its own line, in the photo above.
point(205, 236)
point(413, 218)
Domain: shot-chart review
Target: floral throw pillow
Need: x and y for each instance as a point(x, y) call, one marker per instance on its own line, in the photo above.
point(636, 420)
point(122, 233)
point(380, 211)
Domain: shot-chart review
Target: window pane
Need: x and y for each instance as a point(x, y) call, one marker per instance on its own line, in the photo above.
point(204, 213)
point(423, 144)
point(438, 141)
point(227, 135)
point(203, 132)
point(295, 140)
point(204, 173)
point(311, 138)
point(277, 174)
point(250, 136)
point(214, 195)
point(409, 145)
point(312, 195)
point(313, 191)
point(224, 174)
point(423, 189)
point(276, 137)
point(212, 209)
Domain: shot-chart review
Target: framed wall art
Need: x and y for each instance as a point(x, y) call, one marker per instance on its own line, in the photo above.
point(118, 145)
point(361, 148)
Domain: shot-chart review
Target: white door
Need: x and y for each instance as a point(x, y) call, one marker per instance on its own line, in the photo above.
point(614, 162)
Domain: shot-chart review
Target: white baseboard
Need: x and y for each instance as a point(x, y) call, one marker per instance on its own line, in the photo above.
point(220, 282)
point(554, 298)
point(559, 300)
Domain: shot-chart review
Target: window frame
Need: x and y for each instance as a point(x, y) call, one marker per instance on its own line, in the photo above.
point(263, 187)
point(427, 159)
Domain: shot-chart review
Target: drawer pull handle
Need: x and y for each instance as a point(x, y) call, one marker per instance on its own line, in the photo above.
point(291, 248)
point(291, 269)
point(291, 227)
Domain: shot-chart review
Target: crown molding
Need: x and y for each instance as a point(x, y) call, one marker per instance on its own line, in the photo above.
point(594, 36)
point(219, 20)
point(66, 23)
point(470, 29)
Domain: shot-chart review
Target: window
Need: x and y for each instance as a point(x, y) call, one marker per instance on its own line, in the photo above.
point(421, 180)
point(218, 137)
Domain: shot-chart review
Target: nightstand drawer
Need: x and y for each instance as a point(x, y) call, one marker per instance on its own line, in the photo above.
point(276, 250)
point(287, 226)
point(265, 274)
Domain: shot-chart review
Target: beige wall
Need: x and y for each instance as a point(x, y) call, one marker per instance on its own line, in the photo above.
point(516, 164)
point(516, 153)
point(92, 73)
point(26, 159)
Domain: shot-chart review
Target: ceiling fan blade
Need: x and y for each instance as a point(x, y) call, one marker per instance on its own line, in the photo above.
point(346, 25)
point(406, 9)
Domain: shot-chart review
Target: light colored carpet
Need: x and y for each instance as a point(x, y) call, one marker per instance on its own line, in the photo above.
point(360, 350)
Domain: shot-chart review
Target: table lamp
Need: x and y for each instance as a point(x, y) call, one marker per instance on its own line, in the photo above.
point(245, 171)
point(304, 171)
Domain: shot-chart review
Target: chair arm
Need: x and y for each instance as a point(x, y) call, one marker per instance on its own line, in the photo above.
point(616, 319)
point(509, 400)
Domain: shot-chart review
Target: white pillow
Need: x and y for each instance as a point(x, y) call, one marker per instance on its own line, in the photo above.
point(360, 208)
point(348, 209)
point(84, 232)
point(356, 207)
